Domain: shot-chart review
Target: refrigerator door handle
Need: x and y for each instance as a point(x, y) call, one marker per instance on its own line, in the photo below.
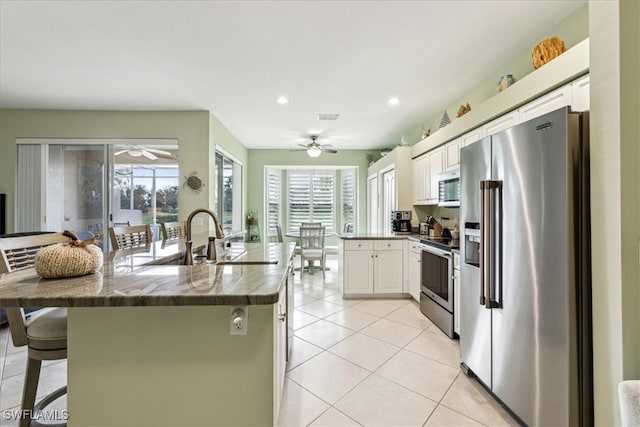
point(484, 241)
point(491, 241)
point(494, 297)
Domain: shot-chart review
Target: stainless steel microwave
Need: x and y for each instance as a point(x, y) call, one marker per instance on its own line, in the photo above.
point(449, 188)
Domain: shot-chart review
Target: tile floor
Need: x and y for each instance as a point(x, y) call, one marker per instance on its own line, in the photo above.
point(354, 362)
point(375, 362)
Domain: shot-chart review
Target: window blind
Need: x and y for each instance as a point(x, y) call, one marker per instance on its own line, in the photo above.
point(310, 198)
point(273, 200)
point(348, 197)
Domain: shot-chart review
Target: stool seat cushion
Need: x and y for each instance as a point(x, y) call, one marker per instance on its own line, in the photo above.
point(48, 330)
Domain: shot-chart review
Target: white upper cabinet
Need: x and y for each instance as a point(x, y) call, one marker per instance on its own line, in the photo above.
point(452, 154)
point(472, 136)
point(426, 169)
point(559, 98)
point(580, 94)
point(436, 163)
point(501, 123)
point(420, 175)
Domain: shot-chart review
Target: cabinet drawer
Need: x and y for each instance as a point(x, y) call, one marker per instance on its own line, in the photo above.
point(382, 245)
point(358, 245)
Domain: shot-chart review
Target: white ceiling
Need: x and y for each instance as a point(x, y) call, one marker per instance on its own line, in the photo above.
point(234, 58)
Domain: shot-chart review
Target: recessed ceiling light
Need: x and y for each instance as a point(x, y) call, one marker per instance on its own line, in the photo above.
point(282, 100)
point(394, 101)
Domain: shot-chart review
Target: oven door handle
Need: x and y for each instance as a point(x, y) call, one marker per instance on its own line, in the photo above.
point(436, 251)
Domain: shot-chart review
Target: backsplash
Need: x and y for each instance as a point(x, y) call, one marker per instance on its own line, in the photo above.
point(422, 211)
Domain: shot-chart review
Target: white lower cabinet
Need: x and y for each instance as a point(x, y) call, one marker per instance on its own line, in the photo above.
point(372, 267)
point(414, 271)
point(280, 349)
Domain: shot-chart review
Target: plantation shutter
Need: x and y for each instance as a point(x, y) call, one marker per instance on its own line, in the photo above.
point(324, 199)
point(311, 198)
point(299, 186)
point(348, 196)
point(273, 200)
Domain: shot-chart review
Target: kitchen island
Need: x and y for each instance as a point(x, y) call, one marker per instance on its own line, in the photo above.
point(149, 341)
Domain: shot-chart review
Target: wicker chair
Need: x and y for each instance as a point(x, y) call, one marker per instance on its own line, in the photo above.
point(130, 237)
point(174, 230)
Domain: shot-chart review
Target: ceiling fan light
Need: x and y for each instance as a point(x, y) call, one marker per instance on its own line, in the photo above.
point(314, 151)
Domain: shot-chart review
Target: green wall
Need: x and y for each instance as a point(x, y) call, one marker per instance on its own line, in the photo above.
point(191, 128)
point(258, 159)
point(221, 137)
point(572, 30)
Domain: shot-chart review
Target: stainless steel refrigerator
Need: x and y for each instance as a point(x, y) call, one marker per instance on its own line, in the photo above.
point(525, 299)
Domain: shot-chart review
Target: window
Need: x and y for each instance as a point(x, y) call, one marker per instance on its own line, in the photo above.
point(311, 198)
point(228, 176)
point(327, 195)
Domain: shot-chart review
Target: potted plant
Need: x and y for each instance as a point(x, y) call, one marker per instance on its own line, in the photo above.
point(252, 218)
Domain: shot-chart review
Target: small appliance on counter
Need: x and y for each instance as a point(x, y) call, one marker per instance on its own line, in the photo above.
point(401, 221)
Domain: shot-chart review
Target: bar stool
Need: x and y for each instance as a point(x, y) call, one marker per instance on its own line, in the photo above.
point(44, 332)
point(174, 230)
point(130, 237)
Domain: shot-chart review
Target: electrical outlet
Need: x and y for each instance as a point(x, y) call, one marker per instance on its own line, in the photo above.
point(238, 320)
point(197, 221)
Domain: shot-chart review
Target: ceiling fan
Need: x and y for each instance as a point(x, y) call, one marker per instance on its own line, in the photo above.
point(149, 153)
point(314, 149)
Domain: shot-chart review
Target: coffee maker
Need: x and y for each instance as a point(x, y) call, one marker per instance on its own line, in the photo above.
point(401, 221)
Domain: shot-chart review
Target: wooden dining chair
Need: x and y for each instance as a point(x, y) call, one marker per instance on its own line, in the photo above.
point(174, 230)
point(312, 246)
point(130, 237)
point(43, 332)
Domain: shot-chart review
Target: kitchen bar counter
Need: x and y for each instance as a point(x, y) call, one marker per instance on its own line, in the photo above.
point(246, 274)
point(151, 342)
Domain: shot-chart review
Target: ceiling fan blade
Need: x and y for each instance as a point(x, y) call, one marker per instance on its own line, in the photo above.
point(149, 155)
point(156, 151)
point(329, 150)
point(117, 153)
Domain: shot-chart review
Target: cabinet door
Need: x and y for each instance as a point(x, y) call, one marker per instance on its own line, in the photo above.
point(358, 269)
point(501, 123)
point(552, 101)
point(280, 349)
point(580, 94)
point(471, 137)
point(452, 154)
point(435, 168)
point(388, 271)
point(414, 274)
point(420, 171)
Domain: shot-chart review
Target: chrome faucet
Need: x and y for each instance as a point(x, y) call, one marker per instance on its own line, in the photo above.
point(211, 247)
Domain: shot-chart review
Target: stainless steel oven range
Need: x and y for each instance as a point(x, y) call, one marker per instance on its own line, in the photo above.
point(436, 284)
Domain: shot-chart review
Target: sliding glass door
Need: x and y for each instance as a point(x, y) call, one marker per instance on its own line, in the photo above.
point(61, 187)
point(85, 187)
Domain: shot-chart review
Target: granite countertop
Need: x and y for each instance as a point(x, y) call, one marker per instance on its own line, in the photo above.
point(379, 236)
point(246, 274)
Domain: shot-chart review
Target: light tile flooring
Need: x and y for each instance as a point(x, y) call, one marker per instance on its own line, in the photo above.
point(375, 362)
point(354, 362)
